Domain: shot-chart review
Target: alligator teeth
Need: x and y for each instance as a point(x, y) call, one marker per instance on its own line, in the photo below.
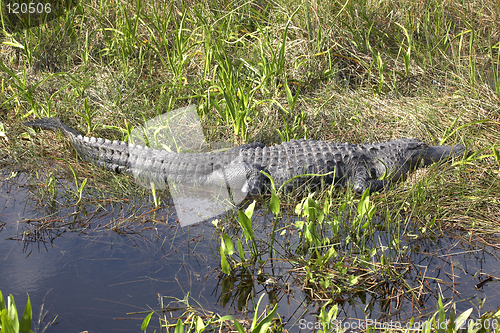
point(79, 137)
point(107, 141)
point(100, 140)
point(116, 142)
point(131, 145)
point(93, 140)
point(86, 139)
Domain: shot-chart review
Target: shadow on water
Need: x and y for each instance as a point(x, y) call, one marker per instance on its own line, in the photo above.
point(102, 266)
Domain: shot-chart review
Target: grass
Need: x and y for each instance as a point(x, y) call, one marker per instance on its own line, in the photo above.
point(355, 71)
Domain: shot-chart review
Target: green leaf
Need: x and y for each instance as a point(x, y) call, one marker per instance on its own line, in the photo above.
point(179, 327)
point(273, 186)
point(200, 326)
point(229, 250)
point(364, 202)
point(223, 262)
point(441, 316)
point(451, 323)
point(146, 320)
point(281, 56)
point(246, 223)
point(463, 318)
point(241, 251)
point(461, 127)
point(26, 318)
point(332, 314)
point(427, 326)
point(353, 280)
point(238, 326)
point(14, 44)
point(274, 203)
point(2, 302)
point(326, 206)
point(331, 252)
point(12, 313)
point(325, 283)
point(250, 209)
point(5, 322)
point(20, 84)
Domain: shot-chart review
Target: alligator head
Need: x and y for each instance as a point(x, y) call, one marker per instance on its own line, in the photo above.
point(396, 159)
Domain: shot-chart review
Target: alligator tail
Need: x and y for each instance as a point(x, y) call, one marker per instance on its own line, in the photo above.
point(98, 151)
point(52, 124)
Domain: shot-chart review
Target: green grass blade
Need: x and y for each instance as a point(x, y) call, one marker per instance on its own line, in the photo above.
point(463, 126)
point(281, 57)
point(263, 325)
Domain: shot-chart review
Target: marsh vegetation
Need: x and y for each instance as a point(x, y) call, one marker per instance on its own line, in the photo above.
point(347, 71)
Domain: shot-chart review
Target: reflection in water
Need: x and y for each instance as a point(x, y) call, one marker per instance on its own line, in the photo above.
point(99, 265)
point(94, 276)
point(21, 273)
point(236, 287)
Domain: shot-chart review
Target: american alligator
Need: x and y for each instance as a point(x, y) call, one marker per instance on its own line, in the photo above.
point(308, 162)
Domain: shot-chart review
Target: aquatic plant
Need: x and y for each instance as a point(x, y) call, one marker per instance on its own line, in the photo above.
point(9, 321)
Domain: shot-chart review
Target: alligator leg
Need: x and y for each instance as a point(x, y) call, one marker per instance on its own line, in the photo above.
point(363, 180)
point(239, 179)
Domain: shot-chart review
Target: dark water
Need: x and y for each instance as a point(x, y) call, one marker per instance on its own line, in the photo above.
point(92, 278)
point(97, 280)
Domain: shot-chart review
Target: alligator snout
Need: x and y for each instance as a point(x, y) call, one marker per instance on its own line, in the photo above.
point(435, 154)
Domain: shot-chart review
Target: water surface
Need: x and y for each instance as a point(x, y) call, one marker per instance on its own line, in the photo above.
point(103, 270)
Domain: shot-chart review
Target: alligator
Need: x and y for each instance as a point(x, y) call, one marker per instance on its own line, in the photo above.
point(248, 168)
